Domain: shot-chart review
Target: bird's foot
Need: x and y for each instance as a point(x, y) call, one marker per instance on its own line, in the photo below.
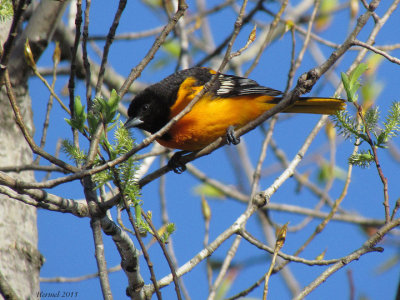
point(231, 137)
point(175, 163)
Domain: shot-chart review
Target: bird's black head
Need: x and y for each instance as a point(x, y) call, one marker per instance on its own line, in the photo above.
point(149, 110)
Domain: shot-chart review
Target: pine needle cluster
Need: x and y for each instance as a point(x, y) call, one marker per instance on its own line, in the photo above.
point(104, 113)
point(365, 127)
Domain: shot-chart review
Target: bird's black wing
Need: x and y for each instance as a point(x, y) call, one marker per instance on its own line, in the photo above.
point(226, 85)
point(230, 86)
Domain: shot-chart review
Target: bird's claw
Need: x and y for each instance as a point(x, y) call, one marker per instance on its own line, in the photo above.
point(175, 163)
point(231, 137)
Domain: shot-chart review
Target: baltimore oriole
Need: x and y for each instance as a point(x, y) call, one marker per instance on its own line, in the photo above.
point(229, 104)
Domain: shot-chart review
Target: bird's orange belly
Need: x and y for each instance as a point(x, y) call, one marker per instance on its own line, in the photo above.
point(192, 134)
point(209, 120)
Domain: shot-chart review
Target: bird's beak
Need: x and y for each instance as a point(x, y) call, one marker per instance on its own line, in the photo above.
point(133, 122)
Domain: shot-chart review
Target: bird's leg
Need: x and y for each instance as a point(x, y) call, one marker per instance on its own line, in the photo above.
point(230, 136)
point(175, 163)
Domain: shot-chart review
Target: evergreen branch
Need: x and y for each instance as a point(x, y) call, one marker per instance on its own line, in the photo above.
point(371, 118)
point(392, 123)
point(74, 153)
point(362, 159)
point(346, 125)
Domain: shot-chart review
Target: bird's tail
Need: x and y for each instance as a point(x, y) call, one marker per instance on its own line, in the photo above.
point(310, 105)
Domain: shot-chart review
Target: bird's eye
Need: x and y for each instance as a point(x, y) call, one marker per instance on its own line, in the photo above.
point(146, 107)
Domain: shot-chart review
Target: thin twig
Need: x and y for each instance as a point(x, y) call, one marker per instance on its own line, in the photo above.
point(170, 264)
point(351, 284)
point(71, 81)
point(290, 258)
point(377, 164)
point(56, 60)
point(135, 72)
point(15, 26)
point(85, 58)
point(91, 199)
point(26, 133)
point(268, 37)
point(377, 51)
point(51, 89)
point(263, 155)
point(110, 39)
point(395, 209)
point(280, 240)
point(298, 61)
point(142, 246)
point(323, 224)
point(78, 278)
point(367, 247)
point(226, 41)
point(224, 268)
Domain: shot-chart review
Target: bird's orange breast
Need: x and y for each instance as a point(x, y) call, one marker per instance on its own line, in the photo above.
point(210, 117)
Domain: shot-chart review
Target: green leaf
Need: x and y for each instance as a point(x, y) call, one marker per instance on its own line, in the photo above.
point(172, 47)
point(106, 110)
point(114, 100)
point(226, 283)
point(69, 122)
point(325, 173)
point(351, 83)
point(93, 122)
point(171, 228)
point(357, 72)
point(78, 107)
point(208, 191)
point(371, 90)
point(78, 120)
point(346, 85)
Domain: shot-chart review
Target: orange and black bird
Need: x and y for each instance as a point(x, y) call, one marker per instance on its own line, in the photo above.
point(229, 104)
